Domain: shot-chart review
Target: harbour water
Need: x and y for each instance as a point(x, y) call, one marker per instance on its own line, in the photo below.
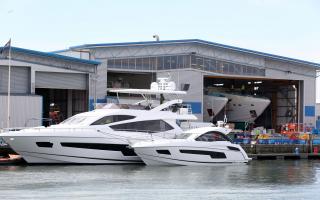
point(278, 179)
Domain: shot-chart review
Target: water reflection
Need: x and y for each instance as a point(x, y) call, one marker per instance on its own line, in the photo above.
point(272, 179)
point(283, 172)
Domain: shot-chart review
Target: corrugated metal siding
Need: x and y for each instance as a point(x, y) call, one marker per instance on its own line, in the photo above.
point(61, 80)
point(20, 80)
point(25, 111)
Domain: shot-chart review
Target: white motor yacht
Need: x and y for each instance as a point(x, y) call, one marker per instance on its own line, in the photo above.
point(101, 136)
point(242, 108)
point(200, 146)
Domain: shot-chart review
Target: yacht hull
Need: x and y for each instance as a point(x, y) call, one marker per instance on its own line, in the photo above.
point(72, 150)
point(191, 155)
point(245, 108)
point(240, 108)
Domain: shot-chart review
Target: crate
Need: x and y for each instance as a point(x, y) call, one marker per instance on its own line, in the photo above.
point(316, 141)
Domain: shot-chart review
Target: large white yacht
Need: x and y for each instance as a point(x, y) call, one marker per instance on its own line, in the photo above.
point(245, 108)
point(201, 146)
point(101, 136)
point(240, 108)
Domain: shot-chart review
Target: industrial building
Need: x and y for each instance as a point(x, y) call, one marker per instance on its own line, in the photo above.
point(195, 65)
point(39, 79)
point(289, 83)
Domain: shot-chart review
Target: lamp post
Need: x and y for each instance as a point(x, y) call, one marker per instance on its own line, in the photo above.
point(157, 37)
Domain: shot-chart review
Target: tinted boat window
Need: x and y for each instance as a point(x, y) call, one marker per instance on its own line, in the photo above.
point(183, 135)
point(144, 126)
point(112, 119)
point(213, 136)
point(76, 120)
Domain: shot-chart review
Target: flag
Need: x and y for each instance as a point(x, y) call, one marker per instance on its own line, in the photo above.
point(7, 45)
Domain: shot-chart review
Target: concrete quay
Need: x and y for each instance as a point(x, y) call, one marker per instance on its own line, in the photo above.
point(281, 152)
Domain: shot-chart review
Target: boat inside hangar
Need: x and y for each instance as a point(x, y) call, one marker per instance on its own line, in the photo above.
point(262, 102)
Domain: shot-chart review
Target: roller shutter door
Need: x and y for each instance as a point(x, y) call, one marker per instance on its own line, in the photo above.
point(61, 80)
point(20, 80)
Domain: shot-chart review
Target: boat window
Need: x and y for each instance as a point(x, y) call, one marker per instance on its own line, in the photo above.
point(76, 120)
point(178, 122)
point(213, 136)
point(144, 126)
point(112, 118)
point(253, 113)
point(183, 135)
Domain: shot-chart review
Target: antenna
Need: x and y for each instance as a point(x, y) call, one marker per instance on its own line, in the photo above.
point(169, 76)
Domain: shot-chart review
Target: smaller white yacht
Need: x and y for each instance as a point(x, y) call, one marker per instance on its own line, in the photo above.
point(200, 146)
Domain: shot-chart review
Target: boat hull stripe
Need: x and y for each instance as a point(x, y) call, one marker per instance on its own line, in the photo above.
point(212, 154)
point(102, 146)
point(135, 161)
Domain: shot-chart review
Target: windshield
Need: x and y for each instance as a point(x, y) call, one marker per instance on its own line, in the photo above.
point(213, 136)
point(183, 135)
point(76, 120)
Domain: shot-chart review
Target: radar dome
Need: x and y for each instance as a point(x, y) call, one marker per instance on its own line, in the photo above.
point(154, 86)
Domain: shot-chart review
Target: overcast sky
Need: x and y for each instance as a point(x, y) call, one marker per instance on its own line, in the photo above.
point(284, 27)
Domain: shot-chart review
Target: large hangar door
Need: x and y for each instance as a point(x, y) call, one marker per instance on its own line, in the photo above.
point(20, 79)
point(55, 80)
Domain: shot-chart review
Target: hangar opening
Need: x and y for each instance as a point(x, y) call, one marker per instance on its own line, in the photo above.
point(63, 93)
point(260, 102)
point(66, 102)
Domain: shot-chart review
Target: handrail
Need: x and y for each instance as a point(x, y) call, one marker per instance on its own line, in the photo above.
point(167, 104)
point(124, 138)
point(236, 93)
point(47, 128)
point(36, 119)
point(137, 130)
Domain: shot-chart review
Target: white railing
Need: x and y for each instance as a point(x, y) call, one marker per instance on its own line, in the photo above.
point(152, 134)
point(54, 129)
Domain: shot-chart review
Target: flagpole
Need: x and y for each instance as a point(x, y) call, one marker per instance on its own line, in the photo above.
point(9, 88)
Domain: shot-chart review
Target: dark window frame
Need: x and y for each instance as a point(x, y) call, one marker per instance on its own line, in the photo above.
point(143, 126)
point(113, 119)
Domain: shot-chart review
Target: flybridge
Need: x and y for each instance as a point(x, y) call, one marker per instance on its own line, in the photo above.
point(162, 87)
point(146, 91)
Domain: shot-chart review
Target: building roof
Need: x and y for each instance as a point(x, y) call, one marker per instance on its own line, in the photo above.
point(53, 55)
point(197, 41)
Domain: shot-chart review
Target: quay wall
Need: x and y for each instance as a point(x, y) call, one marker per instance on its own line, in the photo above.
point(278, 149)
